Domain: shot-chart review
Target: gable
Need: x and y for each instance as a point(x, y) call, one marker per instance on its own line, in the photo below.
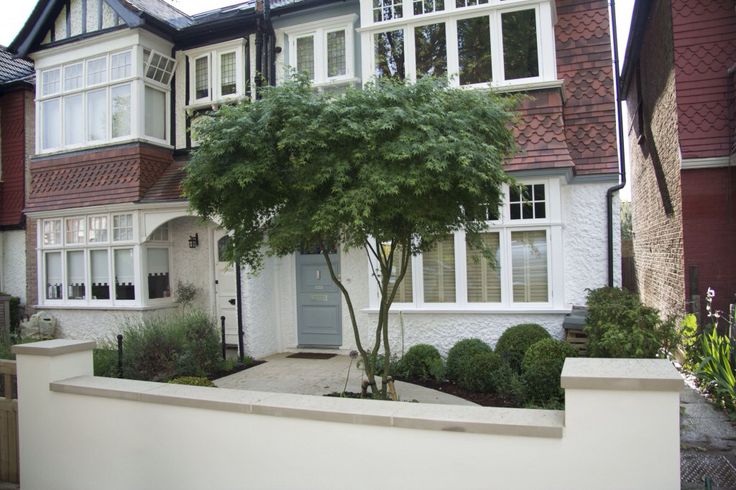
point(79, 17)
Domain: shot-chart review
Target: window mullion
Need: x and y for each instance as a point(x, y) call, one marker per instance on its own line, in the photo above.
point(410, 59)
point(497, 70)
point(461, 273)
point(453, 56)
point(506, 268)
point(418, 270)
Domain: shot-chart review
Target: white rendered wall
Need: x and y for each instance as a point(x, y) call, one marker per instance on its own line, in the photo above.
point(13, 263)
point(620, 430)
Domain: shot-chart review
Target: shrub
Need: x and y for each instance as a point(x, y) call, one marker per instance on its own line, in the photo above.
point(541, 368)
point(462, 353)
point(421, 362)
point(202, 350)
point(515, 341)
point(15, 313)
point(105, 362)
point(193, 381)
point(618, 325)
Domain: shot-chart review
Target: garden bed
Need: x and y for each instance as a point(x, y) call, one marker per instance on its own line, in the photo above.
point(235, 368)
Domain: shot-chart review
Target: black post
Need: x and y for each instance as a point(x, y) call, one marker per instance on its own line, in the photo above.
point(222, 328)
point(120, 355)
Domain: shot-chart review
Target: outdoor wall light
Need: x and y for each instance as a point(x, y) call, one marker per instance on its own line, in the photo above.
point(194, 240)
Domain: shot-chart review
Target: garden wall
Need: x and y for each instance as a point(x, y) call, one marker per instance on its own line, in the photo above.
point(620, 429)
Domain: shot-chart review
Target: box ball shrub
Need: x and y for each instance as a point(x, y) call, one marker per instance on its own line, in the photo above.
point(541, 368)
point(421, 362)
point(515, 341)
point(461, 353)
point(479, 373)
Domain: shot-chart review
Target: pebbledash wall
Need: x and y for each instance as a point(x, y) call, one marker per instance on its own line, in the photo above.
point(269, 297)
point(13, 263)
point(620, 428)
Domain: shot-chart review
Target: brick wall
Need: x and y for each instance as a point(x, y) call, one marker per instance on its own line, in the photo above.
point(656, 196)
point(31, 265)
point(13, 152)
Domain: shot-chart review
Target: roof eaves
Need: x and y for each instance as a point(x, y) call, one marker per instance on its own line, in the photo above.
point(639, 19)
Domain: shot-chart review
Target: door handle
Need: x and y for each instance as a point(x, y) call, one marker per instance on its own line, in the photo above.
point(231, 301)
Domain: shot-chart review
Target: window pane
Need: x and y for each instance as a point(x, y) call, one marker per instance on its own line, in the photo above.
point(96, 71)
point(430, 43)
point(428, 6)
point(469, 3)
point(51, 82)
point(100, 274)
point(520, 44)
point(158, 273)
point(51, 124)
point(405, 294)
point(387, 10)
point(75, 274)
point(202, 78)
point(120, 110)
point(53, 275)
point(484, 281)
point(529, 264)
point(160, 234)
point(97, 115)
point(439, 272)
point(155, 124)
point(74, 119)
point(527, 202)
point(227, 74)
point(120, 65)
point(73, 77)
point(305, 56)
point(389, 54)
point(474, 50)
point(122, 227)
point(52, 232)
point(98, 229)
point(336, 53)
point(74, 230)
point(124, 277)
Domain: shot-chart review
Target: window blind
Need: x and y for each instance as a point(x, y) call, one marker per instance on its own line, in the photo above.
point(484, 282)
point(439, 272)
point(100, 273)
point(124, 266)
point(529, 264)
point(158, 261)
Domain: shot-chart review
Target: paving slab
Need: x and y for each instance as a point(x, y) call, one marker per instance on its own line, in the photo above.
point(281, 374)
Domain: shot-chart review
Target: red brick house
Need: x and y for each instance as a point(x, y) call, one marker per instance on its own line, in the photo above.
point(121, 81)
point(678, 81)
point(16, 147)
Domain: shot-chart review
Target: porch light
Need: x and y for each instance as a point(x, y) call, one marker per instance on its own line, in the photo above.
point(194, 240)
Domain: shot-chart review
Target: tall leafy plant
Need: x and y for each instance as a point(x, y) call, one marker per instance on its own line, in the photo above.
point(390, 170)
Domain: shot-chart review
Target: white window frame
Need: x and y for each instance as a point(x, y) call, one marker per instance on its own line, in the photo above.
point(545, 18)
point(551, 224)
point(319, 30)
point(212, 53)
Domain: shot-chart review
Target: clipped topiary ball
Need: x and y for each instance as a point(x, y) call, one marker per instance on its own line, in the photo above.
point(421, 362)
point(541, 369)
point(461, 353)
point(515, 341)
point(479, 373)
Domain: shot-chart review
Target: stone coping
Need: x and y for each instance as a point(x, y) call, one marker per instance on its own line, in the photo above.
point(454, 418)
point(53, 348)
point(620, 374)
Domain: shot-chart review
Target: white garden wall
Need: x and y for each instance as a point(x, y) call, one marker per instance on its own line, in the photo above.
point(620, 429)
point(13, 263)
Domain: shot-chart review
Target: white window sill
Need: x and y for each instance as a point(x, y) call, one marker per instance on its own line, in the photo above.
point(214, 104)
point(464, 309)
point(105, 307)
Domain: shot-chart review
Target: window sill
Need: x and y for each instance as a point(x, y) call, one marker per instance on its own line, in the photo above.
point(464, 309)
point(214, 104)
point(107, 307)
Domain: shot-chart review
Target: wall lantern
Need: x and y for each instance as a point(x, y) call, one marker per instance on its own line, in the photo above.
point(194, 240)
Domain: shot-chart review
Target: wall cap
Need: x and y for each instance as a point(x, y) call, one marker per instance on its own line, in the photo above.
point(52, 348)
point(453, 418)
point(620, 374)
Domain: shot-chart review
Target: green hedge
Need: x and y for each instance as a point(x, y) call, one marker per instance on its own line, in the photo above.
point(421, 362)
point(541, 370)
point(515, 341)
point(460, 356)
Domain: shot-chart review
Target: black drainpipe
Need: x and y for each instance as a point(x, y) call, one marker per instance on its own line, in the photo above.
point(239, 309)
point(622, 158)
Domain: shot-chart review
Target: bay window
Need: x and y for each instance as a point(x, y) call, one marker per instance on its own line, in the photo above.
point(99, 100)
point(474, 42)
point(96, 260)
point(517, 268)
point(323, 51)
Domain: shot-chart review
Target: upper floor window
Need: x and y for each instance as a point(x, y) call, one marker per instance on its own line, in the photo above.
point(217, 72)
point(474, 42)
point(323, 51)
point(98, 100)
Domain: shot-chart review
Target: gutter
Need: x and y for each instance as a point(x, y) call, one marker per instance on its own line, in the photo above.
point(622, 158)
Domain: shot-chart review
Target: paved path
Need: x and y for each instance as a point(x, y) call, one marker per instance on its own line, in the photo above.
point(319, 377)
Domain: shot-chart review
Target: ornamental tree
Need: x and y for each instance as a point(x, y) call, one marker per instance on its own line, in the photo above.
point(390, 169)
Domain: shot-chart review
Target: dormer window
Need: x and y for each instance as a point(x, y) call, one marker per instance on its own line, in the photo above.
point(216, 73)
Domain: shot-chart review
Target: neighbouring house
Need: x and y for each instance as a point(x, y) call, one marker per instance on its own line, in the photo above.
point(122, 82)
point(16, 147)
point(678, 82)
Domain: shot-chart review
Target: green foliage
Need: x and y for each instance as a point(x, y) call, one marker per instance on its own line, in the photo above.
point(105, 362)
point(161, 348)
point(716, 368)
point(421, 362)
point(193, 381)
point(619, 325)
point(461, 354)
point(689, 345)
point(14, 313)
point(478, 373)
point(393, 163)
point(185, 293)
point(515, 341)
point(541, 369)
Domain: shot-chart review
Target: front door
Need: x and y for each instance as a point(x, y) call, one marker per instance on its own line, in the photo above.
point(225, 289)
point(318, 300)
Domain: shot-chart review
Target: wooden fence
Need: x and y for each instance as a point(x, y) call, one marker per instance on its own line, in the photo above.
point(8, 423)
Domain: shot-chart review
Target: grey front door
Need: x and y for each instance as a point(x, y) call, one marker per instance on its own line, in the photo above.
point(318, 301)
